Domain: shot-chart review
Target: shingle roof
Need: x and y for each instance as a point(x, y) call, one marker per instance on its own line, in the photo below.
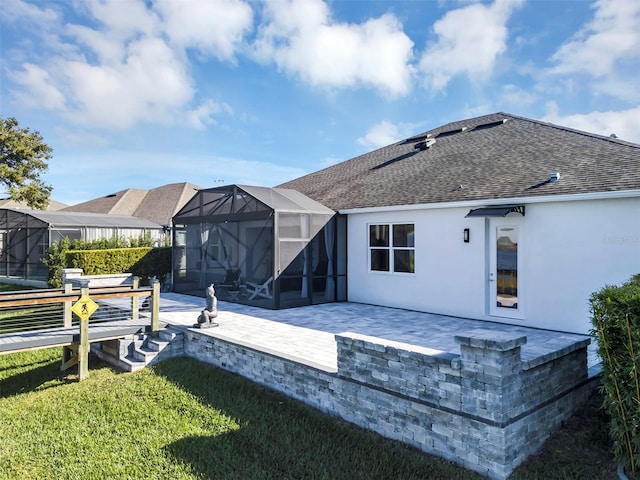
point(497, 156)
point(157, 205)
point(9, 203)
point(162, 203)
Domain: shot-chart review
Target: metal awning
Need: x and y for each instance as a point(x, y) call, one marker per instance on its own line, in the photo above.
point(501, 211)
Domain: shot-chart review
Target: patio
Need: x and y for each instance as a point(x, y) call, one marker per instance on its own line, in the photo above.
point(306, 334)
point(483, 395)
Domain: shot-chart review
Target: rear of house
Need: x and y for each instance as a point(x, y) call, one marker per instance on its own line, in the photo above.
point(497, 218)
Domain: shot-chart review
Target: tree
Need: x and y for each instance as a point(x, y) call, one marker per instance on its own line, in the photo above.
point(23, 157)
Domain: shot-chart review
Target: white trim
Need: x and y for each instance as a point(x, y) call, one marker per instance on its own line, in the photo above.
point(501, 201)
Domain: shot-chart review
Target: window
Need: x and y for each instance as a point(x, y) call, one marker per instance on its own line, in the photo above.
point(392, 248)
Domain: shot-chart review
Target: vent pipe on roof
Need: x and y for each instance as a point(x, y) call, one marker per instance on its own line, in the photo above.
point(426, 144)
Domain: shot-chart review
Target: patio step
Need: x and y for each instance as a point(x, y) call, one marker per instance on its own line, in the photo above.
point(135, 352)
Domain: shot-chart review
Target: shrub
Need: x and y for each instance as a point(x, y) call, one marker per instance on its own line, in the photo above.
point(616, 328)
point(106, 256)
point(114, 242)
point(55, 261)
point(143, 262)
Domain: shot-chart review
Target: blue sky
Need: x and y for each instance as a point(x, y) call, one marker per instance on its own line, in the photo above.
point(138, 94)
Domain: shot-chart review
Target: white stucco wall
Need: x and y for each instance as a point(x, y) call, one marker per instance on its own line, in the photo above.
point(568, 250)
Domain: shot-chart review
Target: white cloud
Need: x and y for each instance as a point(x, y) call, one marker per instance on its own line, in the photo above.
point(606, 50)
point(123, 65)
point(470, 39)
point(203, 115)
point(302, 39)
point(40, 92)
point(612, 36)
point(624, 123)
point(386, 133)
point(149, 85)
point(17, 10)
point(123, 18)
point(216, 27)
point(513, 95)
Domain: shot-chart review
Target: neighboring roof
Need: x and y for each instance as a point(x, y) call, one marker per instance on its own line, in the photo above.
point(497, 156)
point(158, 205)
point(162, 203)
point(61, 219)
point(9, 203)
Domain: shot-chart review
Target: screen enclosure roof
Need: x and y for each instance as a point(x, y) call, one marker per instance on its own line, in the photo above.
point(60, 219)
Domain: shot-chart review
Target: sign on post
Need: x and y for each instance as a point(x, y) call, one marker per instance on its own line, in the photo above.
point(84, 307)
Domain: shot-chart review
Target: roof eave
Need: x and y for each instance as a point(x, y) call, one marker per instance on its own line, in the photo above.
point(501, 201)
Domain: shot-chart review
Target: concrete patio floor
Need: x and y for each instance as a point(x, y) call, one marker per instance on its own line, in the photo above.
point(306, 334)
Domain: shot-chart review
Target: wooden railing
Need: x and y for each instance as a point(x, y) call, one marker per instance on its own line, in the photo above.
point(66, 297)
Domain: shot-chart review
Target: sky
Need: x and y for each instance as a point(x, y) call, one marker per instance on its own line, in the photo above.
point(142, 93)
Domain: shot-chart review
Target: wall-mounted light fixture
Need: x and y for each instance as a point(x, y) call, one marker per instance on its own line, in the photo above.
point(465, 235)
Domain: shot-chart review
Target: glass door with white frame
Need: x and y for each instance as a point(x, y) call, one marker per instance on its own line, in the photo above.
point(505, 268)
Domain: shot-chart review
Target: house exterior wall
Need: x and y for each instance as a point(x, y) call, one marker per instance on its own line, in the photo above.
point(568, 249)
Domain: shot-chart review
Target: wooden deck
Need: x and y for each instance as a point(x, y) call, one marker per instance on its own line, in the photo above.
point(66, 336)
point(75, 340)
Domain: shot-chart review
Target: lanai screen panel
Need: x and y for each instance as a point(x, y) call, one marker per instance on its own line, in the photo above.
point(25, 236)
point(23, 242)
point(243, 239)
point(223, 236)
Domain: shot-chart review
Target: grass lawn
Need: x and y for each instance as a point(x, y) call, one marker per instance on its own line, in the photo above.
point(7, 287)
point(185, 419)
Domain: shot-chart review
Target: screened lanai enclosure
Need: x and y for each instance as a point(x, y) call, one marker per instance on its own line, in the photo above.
point(25, 236)
point(268, 247)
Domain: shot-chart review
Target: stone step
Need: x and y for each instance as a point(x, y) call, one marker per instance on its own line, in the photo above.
point(126, 363)
point(144, 354)
point(157, 345)
point(131, 364)
point(169, 334)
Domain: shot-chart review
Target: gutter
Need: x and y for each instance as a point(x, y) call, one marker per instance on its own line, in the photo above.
point(496, 202)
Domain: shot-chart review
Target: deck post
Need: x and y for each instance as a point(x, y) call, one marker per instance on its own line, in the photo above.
point(69, 355)
point(68, 288)
point(155, 307)
point(135, 300)
point(83, 347)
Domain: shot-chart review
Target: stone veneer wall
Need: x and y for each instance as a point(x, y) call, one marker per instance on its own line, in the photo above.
point(485, 409)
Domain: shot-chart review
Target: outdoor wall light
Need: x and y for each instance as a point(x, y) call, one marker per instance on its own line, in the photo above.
point(465, 235)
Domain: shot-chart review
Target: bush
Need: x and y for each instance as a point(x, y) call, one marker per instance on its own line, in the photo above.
point(113, 242)
point(143, 262)
point(107, 256)
point(616, 328)
point(55, 261)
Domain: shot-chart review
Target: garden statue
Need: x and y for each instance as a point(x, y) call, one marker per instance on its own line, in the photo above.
point(205, 320)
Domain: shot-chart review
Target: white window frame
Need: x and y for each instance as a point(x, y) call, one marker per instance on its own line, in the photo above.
point(391, 248)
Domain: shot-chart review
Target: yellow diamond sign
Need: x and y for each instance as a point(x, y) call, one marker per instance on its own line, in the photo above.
point(84, 307)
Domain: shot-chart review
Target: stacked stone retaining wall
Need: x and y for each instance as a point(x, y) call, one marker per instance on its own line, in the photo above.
point(483, 408)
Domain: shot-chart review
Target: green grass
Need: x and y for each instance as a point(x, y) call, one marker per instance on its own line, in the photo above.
point(183, 419)
point(7, 287)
